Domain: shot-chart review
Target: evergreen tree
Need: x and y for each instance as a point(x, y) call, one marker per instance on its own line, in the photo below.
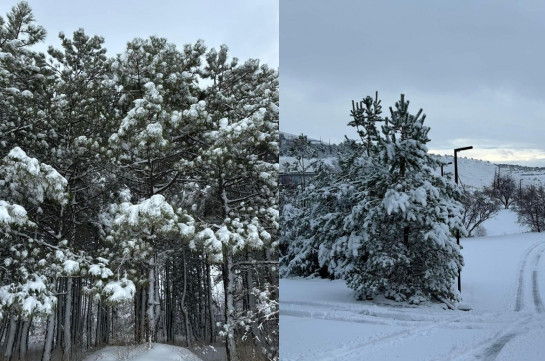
point(401, 228)
point(239, 158)
point(23, 79)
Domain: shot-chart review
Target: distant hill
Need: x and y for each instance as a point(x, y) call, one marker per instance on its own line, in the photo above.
point(478, 173)
point(286, 140)
point(472, 173)
point(288, 136)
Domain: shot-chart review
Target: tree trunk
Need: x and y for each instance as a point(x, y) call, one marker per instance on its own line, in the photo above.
point(67, 338)
point(142, 315)
point(182, 302)
point(229, 290)
point(60, 315)
point(50, 331)
point(252, 303)
point(169, 309)
point(210, 308)
point(89, 324)
point(3, 327)
point(15, 349)
point(152, 302)
point(23, 344)
point(10, 338)
point(77, 323)
point(137, 315)
point(98, 335)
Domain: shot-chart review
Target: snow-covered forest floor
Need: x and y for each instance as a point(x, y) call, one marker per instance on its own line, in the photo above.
point(503, 281)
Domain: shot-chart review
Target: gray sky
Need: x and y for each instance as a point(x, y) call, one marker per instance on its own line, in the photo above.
point(248, 27)
point(475, 67)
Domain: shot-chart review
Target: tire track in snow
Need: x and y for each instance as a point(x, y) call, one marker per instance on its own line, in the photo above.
point(356, 349)
point(330, 317)
point(422, 322)
point(535, 286)
point(490, 349)
point(519, 298)
point(360, 310)
point(494, 350)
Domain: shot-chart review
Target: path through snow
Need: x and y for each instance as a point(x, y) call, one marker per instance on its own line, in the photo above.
point(158, 352)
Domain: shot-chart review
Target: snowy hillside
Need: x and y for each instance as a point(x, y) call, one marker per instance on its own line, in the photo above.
point(290, 136)
point(477, 173)
point(471, 172)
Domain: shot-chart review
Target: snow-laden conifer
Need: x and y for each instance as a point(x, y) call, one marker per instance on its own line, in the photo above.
point(404, 220)
point(238, 156)
point(30, 262)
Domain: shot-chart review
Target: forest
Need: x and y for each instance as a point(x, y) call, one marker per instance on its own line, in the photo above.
point(138, 196)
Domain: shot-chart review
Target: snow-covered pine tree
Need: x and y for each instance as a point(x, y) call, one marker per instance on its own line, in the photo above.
point(77, 123)
point(366, 114)
point(157, 61)
point(299, 255)
point(23, 77)
point(312, 236)
point(303, 151)
point(137, 233)
point(310, 223)
point(143, 147)
point(32, 259)
point(238, 158)
point(403, 222)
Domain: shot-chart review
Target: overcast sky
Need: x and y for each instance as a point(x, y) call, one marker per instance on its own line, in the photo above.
point(477, 68)
point(248, 27)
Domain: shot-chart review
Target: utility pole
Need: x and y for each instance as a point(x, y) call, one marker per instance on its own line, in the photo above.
point(456, 180)
point(442, 165)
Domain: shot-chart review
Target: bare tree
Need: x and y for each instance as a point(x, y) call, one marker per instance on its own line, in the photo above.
point(531, 207)
point(479, 206)
point(504, 189)
point(303, 152)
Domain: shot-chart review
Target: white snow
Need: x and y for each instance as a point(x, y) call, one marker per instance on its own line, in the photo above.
point(100, 270)
point(118, 291)
point(19, 214)
point(503, 282)
point(71, 267)
point(158, 352)
point(505, 222)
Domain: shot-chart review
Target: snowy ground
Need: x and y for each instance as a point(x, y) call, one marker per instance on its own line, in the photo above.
point(159, 352)
point(503, 281)
point(505, 222)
